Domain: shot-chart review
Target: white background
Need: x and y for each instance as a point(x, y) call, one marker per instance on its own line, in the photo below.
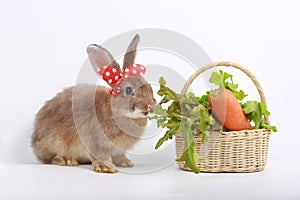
point(42, 48)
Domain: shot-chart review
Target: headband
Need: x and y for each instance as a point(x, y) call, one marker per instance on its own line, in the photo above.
point(114, 76)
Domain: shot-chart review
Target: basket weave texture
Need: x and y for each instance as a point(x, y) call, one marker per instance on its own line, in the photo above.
point(233, 151)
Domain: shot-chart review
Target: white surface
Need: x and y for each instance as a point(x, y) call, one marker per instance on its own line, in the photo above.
point(53, 182)
point(43, 47)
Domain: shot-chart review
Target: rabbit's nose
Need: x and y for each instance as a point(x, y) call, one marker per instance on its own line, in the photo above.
point(150, 108)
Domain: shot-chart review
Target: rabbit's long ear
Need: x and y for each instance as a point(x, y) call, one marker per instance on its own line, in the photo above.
point(131, 52)
point(99, 56)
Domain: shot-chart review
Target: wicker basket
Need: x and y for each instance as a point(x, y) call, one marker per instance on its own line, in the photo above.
point(234, 151)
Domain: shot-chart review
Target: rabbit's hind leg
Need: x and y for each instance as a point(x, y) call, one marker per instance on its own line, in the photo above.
point(72, 162)
point(63, 161)
point(58, 160)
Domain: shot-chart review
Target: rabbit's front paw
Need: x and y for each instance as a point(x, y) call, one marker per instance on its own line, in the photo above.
point(105, 167)
point(122, 161)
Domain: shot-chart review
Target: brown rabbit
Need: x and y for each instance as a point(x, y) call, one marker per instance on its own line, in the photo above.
point(85, 123)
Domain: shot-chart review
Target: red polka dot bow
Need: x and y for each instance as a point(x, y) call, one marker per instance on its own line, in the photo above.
point(113, 75)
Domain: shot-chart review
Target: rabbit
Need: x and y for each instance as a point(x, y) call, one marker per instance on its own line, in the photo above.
point(87, 124)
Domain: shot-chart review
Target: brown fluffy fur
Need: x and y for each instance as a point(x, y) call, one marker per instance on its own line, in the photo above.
point(84, 123)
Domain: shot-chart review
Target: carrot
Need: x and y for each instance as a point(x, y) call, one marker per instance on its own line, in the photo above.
point(228, 111)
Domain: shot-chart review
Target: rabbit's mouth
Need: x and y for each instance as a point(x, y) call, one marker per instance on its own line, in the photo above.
point(141, 113)
point(145, 113)
point(137, 113)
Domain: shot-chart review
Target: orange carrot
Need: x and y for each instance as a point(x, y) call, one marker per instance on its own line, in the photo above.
point(228, 111)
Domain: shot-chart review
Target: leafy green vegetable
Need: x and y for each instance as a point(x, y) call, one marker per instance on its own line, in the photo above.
point(189, 154)
point(224, 80)
point(256, 111)
point(190, 157)
point(186, 114)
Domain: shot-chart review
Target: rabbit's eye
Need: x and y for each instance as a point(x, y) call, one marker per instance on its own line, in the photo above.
point(129, 91)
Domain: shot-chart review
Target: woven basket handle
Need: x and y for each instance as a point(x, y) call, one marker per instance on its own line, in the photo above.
point(227, 64)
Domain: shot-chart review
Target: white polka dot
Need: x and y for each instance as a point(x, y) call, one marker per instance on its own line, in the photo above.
point(126, 76)
point(109, 81)
point(141, 73)
point(107, 73)
point(105, 67)
point(126, 70)
point(134, 71)
point(114, 70)
point(116, 77)
point(121, 75)
point(134, 65)
point(142, 67)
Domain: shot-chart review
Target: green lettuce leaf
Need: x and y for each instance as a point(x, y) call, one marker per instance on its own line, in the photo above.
point(256, 111)
point(224, 80)
point(189, 156)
